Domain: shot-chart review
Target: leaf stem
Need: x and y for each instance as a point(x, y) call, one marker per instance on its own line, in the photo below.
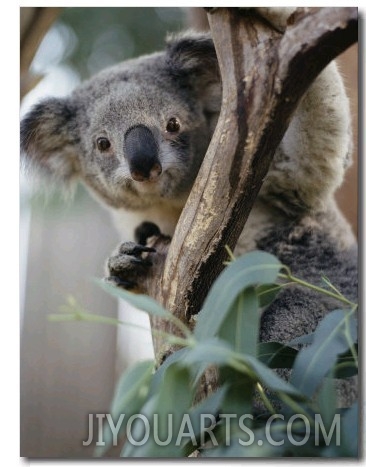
point(316, 288)
point(90, 317)
point(180, 325)
point(173, 339)
point(230, 253)
point(265, 399)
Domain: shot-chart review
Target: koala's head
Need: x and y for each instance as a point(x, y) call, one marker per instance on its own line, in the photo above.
point(135, 133)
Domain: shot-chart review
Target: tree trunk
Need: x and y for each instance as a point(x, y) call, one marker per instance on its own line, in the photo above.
point(265, 72)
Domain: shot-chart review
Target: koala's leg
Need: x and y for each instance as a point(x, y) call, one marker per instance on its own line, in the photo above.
point(277, 16)
point(310, 162)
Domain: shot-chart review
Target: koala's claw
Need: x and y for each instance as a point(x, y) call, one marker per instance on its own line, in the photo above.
point(134, 249)
point(129, 266)
point(117, 281)
point(142, 262)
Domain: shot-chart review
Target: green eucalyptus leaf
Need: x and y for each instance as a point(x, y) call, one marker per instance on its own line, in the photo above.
point(239, 395)
point(241, 324)
point(142, 302)
point(306, 339)
point(314, 362)
point(158, 377)
point(267, 293)
point(129, 397)
point(213, 351)
point(270, 379)
point(251, 443)
point(252, 269)
point(203, 416)
point(169, 406)
point(276, 355)
point(349, 431)
point(327, 401)
point(138, 433)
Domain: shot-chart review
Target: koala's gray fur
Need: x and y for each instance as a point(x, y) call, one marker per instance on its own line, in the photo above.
point(295, 215)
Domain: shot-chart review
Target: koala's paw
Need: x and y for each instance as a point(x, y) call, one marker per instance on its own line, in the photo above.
point(130, 266)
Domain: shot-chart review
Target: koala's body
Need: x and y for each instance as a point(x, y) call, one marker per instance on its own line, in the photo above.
point(136, 134)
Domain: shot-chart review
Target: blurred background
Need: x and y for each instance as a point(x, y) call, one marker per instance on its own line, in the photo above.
point(69, 370)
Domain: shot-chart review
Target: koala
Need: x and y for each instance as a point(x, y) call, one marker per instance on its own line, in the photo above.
point(136, 133)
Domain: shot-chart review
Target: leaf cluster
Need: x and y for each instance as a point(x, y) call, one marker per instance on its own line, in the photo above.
point(250, 392)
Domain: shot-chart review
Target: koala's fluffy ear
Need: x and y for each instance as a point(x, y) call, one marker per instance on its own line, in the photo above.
point(48, 139)
point(191, 58)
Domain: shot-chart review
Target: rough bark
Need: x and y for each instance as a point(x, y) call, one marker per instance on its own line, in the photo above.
point(264, 75)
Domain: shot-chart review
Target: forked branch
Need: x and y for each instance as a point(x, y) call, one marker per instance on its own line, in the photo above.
point(264, 75)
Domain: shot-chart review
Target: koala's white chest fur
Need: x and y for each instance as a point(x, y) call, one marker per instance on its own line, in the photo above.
point(164, 215)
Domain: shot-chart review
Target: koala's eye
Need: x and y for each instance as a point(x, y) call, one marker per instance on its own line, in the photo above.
point(103, 144)
point(173, 125)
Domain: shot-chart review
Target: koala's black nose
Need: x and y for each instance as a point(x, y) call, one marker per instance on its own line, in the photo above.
point(142, 154)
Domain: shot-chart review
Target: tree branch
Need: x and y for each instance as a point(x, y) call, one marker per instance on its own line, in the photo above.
point(34, 23)
point(264, 75)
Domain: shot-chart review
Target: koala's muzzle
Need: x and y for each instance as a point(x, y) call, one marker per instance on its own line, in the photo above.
point(142, 154)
